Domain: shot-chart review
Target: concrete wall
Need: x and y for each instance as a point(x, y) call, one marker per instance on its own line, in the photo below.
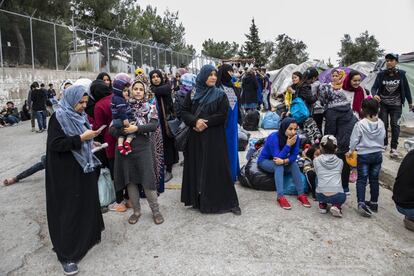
point(15, 82)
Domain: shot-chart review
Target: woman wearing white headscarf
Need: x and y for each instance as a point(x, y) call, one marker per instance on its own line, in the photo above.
point(72, 201)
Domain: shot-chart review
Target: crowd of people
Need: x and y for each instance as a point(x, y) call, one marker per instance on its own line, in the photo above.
point(135, 117)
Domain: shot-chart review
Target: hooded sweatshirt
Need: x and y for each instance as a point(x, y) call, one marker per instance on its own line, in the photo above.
point(367, 137)
point(328, 168)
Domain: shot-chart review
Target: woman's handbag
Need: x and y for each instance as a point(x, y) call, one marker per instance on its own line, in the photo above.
point(171, 123)
point(181, 137)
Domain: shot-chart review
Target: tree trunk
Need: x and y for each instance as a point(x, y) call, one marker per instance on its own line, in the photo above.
point(20, 43)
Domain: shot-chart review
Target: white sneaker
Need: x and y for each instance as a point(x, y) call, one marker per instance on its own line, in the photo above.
point(336, 212)
point(394, 153)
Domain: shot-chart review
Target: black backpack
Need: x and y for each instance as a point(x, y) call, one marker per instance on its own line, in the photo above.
point(251, 121)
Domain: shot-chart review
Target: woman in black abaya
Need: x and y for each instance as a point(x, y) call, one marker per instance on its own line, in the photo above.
point(72, 202)
point(207, 181)
point(162, 93)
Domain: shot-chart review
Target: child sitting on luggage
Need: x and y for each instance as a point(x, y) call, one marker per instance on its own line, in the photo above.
point(122, 114)
point(328, 168)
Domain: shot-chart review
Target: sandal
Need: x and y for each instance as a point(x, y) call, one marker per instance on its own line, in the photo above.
point(158, 218)
point(9, 181)
point(134, 218)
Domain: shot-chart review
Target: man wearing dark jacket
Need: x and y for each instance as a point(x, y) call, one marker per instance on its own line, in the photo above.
point(38, 97)
point(391, 89)
point(403, 192)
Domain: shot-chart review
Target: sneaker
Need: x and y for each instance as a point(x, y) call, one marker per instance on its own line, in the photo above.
point(117, 207)
point(323, 208)
point(127, 147)
point(409, 224)
point(121, 150)
point(353, 176)
point(70, 268)
point(363, 210)
point(284, 203)
point(372, 206)
point(394, 153)
point(336, 211)
point(304, 200)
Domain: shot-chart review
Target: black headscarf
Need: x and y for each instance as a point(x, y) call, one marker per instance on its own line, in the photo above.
point(223, 77)
point(160, 75)
point(282, 130)
point(98, 90)
point(206, 94)
point(101, 77)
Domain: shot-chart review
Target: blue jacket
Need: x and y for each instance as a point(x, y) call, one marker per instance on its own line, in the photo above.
point(405, 88)
point(271, 149)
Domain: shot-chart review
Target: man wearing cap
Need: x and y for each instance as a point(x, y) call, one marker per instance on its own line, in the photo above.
point(390, 90)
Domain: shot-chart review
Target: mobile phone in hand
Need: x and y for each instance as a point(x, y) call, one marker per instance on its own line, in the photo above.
point(101, 128)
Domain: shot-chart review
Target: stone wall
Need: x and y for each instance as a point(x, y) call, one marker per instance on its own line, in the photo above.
point(15, 82)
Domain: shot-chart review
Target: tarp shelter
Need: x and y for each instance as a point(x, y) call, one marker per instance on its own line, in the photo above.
point(364, 67)
point(406, 63)
point(283, 78)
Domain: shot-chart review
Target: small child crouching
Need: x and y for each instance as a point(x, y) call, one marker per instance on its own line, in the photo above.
point(307, 167)
point(328, 169)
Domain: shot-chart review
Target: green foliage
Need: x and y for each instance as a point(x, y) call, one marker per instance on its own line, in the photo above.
point(365, 48)
point(220, 50)
point(253, 48)
point(288, 50)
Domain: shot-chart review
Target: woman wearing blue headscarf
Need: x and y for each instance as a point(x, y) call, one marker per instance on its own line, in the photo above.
point(224, 82)
point(72, 202)
point(207, 182)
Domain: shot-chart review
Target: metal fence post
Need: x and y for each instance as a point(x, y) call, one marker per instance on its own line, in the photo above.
point(132, 54)
point(165, 57)
point(56, 56)
point(31, 42)
point(142, 61)
point(1, 51)
point(150, 56)
point(108, 60)
point(158, 57)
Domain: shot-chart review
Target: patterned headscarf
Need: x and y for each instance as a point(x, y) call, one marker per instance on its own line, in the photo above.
point(143, 110)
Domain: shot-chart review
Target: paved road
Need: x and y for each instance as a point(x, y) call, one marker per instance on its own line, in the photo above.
point(265, 240)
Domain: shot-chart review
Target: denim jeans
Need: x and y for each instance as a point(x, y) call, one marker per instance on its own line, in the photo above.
point(41, 119)
point(33, 169)
point(409, 213)
point(336, 199)
point(278, 171)
point(346, 171)
point(369, 167)
point(11, 119)
point(394, 113)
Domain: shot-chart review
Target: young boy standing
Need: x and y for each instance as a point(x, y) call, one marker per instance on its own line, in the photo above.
point(368, 140)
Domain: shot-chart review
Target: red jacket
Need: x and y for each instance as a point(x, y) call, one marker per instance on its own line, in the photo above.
point(103, 116)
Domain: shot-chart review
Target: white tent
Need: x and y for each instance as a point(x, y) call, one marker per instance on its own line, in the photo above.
point(363, 67)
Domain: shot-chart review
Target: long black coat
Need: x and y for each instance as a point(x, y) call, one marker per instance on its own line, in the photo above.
point(207, 183)
point(72, 201)
point(249, 89)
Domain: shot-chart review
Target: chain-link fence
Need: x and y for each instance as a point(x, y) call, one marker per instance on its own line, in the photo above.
point(28, 42)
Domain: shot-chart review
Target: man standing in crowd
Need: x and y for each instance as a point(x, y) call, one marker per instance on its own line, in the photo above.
point(38, 97)
point(390, 90)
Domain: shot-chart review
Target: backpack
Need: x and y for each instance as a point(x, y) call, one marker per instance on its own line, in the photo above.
point(251, 121)
point(299, 110)
point(270, 120)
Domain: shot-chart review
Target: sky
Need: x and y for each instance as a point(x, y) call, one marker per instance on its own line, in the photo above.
point(321, 24)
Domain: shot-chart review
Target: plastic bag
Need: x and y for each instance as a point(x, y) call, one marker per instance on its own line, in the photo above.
point(106, 188)
point(270, 120)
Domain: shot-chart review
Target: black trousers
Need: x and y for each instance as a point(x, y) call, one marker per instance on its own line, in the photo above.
point(392, 112)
